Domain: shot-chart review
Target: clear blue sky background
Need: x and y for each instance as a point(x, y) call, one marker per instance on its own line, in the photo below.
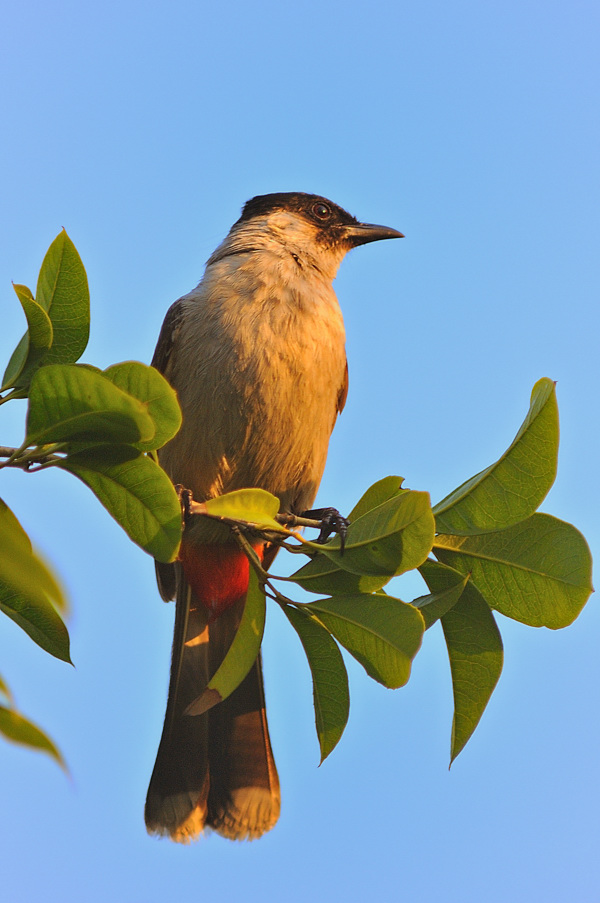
point(472, 127)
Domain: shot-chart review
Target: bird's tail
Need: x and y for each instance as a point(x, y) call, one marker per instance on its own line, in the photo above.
point(217, 769)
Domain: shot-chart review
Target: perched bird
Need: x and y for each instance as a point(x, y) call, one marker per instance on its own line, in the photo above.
point(257, 356)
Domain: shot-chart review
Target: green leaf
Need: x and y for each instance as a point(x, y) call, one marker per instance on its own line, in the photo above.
point(538, 572)
point(322, 575)
point(377, 494)
point(449, 591)
point(330, 680)
point(18, 729)
point(74, 403)
point(136, 492)
point(387, 540)
point(241, 654)
point(256, 506)
point(5, 691)
point(476, 656)
point(62, 290)
point(382, 633)
point(152, 389)
point(36, 341)
point(510, 490)
point(28, 589)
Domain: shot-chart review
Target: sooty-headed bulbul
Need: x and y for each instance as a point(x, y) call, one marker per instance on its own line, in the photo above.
point(257, 356)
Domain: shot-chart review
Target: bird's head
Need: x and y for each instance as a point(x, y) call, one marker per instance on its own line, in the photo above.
point(309, 227)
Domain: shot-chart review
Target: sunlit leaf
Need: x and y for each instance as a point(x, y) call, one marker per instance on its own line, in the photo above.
point(388, 540)
point(330, 681)
point(256, 506)
point(62, 290)
point(382, 633)
point(136, 491)
point(34, 344)
point(28, 590)
point(510, 490)
point(18, 729)
point(152, 389)
point(72, 402)
point(538, 572)
point(241, 654)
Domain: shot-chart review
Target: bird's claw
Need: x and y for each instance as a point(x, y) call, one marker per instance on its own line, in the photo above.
point(331, 522)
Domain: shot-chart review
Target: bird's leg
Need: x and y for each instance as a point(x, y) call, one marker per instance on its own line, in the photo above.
point(331, 522)
point(186, 498)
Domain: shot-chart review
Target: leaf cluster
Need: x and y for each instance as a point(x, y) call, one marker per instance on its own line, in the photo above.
point(483, 548)
point(104, 427)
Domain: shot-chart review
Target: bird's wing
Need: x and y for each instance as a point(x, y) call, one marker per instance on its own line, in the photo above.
point(168, 335)
point(343, 392)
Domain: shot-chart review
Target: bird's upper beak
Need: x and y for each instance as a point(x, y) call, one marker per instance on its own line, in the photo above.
point(361, 233)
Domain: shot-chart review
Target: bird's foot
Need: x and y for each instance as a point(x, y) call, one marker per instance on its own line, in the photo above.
point(331, 522)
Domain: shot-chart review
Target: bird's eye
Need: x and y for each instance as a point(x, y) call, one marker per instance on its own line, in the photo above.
point(321, 211)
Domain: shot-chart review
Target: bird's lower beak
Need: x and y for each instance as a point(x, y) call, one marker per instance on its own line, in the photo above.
point(362, 233)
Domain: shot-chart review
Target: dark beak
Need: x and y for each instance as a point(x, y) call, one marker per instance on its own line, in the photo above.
point(362, 233)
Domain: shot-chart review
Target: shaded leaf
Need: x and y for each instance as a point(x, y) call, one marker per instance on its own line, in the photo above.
point(241, 655)
point(512, 489)
point(62, 290)
point(449, 591)
point(538, 572)
point(330, 680)
point(256, 506)
point(382, 633)
point(72, 402)
point(376, 495)
point(476, 657)
point(28, 589)
point(32, 347)
point(322, 575)
point(20, 730)
point(388, 540)
point(152, 389)
point(136, 492)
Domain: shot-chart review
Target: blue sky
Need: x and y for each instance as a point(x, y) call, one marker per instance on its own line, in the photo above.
point(142, 128)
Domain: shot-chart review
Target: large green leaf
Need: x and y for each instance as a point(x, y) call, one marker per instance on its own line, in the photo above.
point(34, 344)
point(510, 490)
point(388, 540)
point(256, 506)
point(322, 575)
point(474, 649)
point(476, 656)
point(330, 680)
point(75, 403)
point(152, 389)
point(380, 492)
point(136, 491)
point(382, 633)
point(62, 290)
point(28, 590)
point(241, 654)
point(20, 730)
point(538, 572)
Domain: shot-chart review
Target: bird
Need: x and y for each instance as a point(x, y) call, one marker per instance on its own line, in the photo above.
point(256, 355)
